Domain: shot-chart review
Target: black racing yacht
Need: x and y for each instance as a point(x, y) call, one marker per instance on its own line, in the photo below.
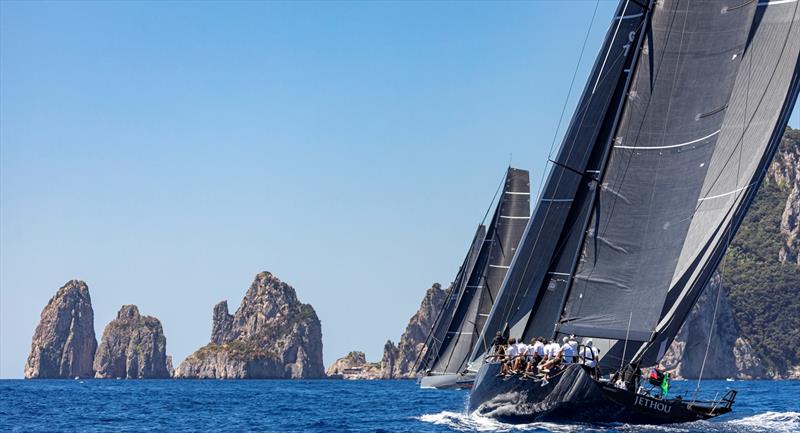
point(456, 329)
point(683, 111)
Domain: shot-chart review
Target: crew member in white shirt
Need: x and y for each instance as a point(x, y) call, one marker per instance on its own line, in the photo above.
point(535, 354)
point(511, 356)
point(567, 353)
point(590, 355)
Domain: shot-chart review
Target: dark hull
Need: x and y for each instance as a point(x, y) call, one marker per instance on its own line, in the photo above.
point(573, 396)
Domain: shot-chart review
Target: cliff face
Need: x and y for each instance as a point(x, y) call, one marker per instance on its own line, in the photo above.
point(398, 361)
point(757, 328)
point(785, 173)
point(133, 347)
point(271, 335)
point(64, 343)
point(729, 354)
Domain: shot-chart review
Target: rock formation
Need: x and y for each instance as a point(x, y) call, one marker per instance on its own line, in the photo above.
point(271, 335)
point(354, 366)
point(729, 354)
point(64, 343)
point(389, 360)
point(133, 347)
point(398, 361)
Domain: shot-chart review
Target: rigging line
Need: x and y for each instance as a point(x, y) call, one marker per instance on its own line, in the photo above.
point(499, 187)
point(574, 75)
point(710, 336)
point(613, 38)
point(569, 94)
point(729, 234)
point(625, 347)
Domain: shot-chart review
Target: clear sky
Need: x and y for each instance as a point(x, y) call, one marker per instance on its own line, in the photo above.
point(166, 153)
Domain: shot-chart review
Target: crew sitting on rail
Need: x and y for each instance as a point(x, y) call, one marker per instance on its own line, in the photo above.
point(511, 354)
point(521, 350)
point(565, 355)
point(535, 354)
point(550, 351)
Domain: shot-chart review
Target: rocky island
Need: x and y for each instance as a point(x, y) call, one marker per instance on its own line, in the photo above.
point(398, 361)
point(64, 343)
point(272, 335)
point(133, 347)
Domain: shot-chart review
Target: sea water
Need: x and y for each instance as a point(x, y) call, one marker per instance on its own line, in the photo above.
point(329, 406)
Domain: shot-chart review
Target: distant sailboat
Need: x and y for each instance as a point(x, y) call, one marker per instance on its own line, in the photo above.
point(456, 329)
point(681, 115)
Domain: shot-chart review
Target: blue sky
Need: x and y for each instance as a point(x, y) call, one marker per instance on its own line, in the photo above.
point(166, 153)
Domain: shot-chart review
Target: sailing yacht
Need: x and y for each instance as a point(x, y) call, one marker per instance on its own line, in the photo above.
point(456, 329)
point(681, 115)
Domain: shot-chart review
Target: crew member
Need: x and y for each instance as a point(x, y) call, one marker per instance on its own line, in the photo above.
point(511, 354)
point(590, 355)
point(499, 344)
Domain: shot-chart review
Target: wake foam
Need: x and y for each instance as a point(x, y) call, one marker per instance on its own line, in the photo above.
point(788, 422)
point(474, 422)
point(767, 422)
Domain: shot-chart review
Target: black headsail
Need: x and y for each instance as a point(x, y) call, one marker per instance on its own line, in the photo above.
point(473, 305)
point(541, 268)
point(433, 343)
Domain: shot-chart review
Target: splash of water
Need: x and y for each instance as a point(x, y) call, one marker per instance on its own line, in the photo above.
point(768, 422)
point(788, 422)
point(476, 423)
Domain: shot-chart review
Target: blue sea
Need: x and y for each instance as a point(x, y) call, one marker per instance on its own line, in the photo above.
point(328, 406)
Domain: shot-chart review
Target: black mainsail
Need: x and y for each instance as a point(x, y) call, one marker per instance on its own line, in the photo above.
point(475, 301)
point(707, 94)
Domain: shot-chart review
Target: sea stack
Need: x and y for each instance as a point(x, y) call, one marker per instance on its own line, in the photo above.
point(133, 347)
point(398, 361)
point(64, 343)
point(271, 335)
